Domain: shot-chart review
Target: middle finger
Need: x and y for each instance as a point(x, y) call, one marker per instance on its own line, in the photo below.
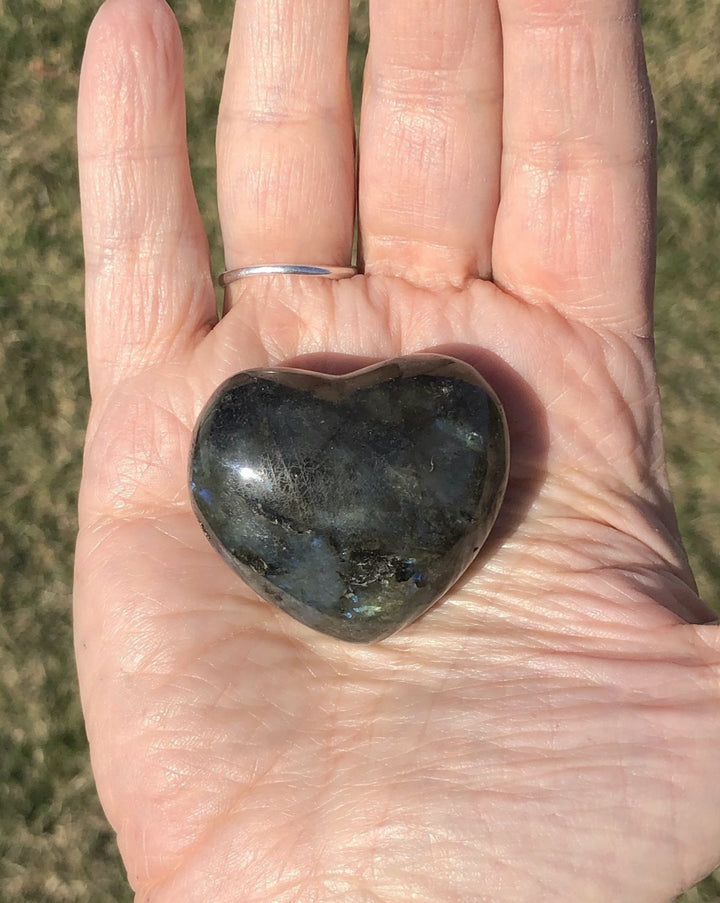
point(430, 139)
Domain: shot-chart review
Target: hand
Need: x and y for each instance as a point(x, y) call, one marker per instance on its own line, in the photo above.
point(549, 731)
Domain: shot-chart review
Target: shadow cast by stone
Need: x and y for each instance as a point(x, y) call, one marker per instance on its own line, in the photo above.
point(529, 442)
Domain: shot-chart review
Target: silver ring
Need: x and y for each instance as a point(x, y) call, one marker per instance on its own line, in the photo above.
point(286, 269)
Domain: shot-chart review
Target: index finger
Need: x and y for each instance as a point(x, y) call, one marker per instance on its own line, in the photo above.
point(576, 222)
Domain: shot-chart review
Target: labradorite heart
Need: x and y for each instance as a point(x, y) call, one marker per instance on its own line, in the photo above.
point(351, 502)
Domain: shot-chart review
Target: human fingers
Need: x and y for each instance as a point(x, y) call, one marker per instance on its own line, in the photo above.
point(148, 284)
point(575, 225)
point(285, 144)
point(430, 139)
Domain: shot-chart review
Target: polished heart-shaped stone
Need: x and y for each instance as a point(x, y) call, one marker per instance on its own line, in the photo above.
point(351, 502)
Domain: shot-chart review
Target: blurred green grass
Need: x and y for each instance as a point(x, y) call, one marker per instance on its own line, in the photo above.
point(55, 845)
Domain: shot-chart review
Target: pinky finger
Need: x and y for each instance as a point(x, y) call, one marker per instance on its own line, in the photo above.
point(148, 283)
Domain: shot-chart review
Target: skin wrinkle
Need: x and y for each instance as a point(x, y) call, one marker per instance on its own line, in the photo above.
point(292, 113)
point(403, 85)
point(198, 839)
point(553, 157)
point(135, 331)
point(150, 448)
point(615, 522)
point(436, 139)
point(116, 258)
point(560, 15)
point(138, 208)
point(122, 87)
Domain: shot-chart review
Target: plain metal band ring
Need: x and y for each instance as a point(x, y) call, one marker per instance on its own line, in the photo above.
point(286, 269)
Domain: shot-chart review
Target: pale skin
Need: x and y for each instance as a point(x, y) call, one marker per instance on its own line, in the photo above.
point(549, 731)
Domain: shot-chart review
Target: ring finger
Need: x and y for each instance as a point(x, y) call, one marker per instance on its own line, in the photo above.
point(285, 145)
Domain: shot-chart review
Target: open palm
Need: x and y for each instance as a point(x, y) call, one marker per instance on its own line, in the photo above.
point(548, 731)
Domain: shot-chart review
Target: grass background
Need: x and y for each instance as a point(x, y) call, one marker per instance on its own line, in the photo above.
point(54, 842)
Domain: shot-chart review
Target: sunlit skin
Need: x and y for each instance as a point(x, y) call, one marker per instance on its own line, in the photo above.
point(549, 731)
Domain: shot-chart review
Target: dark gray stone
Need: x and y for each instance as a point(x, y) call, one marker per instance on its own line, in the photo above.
point(353, 502)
